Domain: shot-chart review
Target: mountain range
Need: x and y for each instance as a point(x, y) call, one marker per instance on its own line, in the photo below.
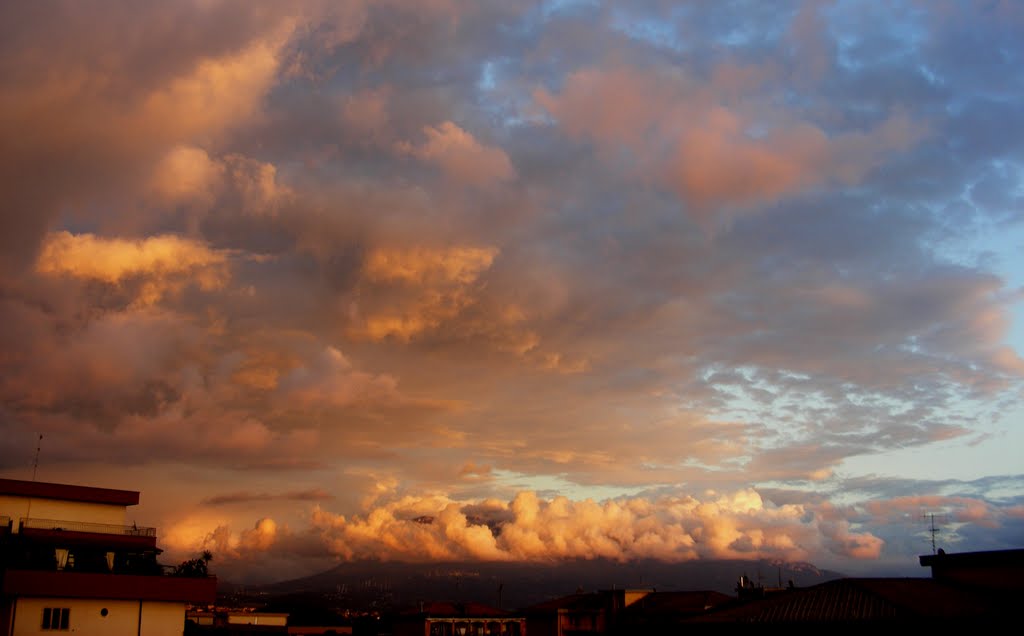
point(514, 585)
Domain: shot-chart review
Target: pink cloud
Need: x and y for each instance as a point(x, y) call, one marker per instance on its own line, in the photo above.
point(697, 138)
point(460, 156)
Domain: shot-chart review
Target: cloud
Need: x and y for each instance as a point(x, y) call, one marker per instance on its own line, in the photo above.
point(477, 249)
point(93, 128)
point(332, 381)
point(314, 494)
point(185, 172)
point(366, 112)
point(703, 142)
point(429, 286)
point(459, 265)
point(529, 528)
point(460, 156)
point(162, 263)
point(219, 92)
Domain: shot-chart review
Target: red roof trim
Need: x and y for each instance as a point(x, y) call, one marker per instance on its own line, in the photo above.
point(68, 492)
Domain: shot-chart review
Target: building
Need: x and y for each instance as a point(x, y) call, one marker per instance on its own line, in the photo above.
point(69, 561)
point(458, 619)
point(572, 615)
point(666, 612)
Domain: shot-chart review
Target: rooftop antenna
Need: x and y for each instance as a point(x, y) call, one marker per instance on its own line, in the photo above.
point(35, 462)
point(932, 530)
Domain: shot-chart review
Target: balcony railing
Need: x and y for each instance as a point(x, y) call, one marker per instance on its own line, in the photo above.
point(85, 526)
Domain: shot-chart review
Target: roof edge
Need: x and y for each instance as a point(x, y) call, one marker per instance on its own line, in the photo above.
point(68, 492)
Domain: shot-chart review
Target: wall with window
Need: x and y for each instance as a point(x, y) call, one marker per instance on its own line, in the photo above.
point(98, 617)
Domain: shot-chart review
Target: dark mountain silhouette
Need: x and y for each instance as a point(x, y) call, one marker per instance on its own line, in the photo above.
point(522, 584)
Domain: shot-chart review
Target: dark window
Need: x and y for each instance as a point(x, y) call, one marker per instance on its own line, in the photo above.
point(55, 618)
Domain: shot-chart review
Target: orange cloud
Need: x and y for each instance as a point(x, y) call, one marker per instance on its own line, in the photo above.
point(165, 262)
point(421, 265)
point(217, 93)
point(739, 525)
point(434, 286)
point(184, 173)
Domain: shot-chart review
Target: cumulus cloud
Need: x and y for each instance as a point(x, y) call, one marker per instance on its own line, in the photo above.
point(737, 525)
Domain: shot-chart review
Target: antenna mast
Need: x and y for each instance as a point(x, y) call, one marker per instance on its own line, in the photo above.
point(932, 530)
point(35, 462)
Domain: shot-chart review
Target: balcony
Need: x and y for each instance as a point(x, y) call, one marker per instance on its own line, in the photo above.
point(109, 586)
point(84, 526)
point(86, 533)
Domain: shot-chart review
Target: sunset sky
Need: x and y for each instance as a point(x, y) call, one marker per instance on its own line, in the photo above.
point(631, 279)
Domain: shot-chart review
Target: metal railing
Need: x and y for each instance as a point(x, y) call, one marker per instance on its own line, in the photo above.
point(85, 526)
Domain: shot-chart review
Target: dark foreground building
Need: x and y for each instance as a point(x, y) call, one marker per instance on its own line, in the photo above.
point(967, 590)
point(70, 562)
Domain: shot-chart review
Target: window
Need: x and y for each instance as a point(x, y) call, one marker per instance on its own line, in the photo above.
point(56, 618)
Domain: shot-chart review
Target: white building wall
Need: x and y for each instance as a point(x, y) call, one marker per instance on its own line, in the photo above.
point(18, 507)
point(86, 619)
point(163, 619)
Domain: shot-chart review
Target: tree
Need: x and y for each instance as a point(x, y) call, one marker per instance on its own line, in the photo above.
point(195, 567)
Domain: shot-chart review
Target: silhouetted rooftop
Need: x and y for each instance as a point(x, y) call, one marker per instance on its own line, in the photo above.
point(855, 600)
point(68, 492)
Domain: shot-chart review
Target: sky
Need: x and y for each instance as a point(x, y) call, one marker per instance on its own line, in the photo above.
point(567, 279)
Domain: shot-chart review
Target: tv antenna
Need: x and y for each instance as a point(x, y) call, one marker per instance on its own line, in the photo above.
point(35, 462)
point(932, 530)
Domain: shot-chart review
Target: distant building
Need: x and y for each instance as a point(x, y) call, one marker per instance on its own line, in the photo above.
point(458, 619)
point(235, 622)
point(70, 562)
point(623, 611)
